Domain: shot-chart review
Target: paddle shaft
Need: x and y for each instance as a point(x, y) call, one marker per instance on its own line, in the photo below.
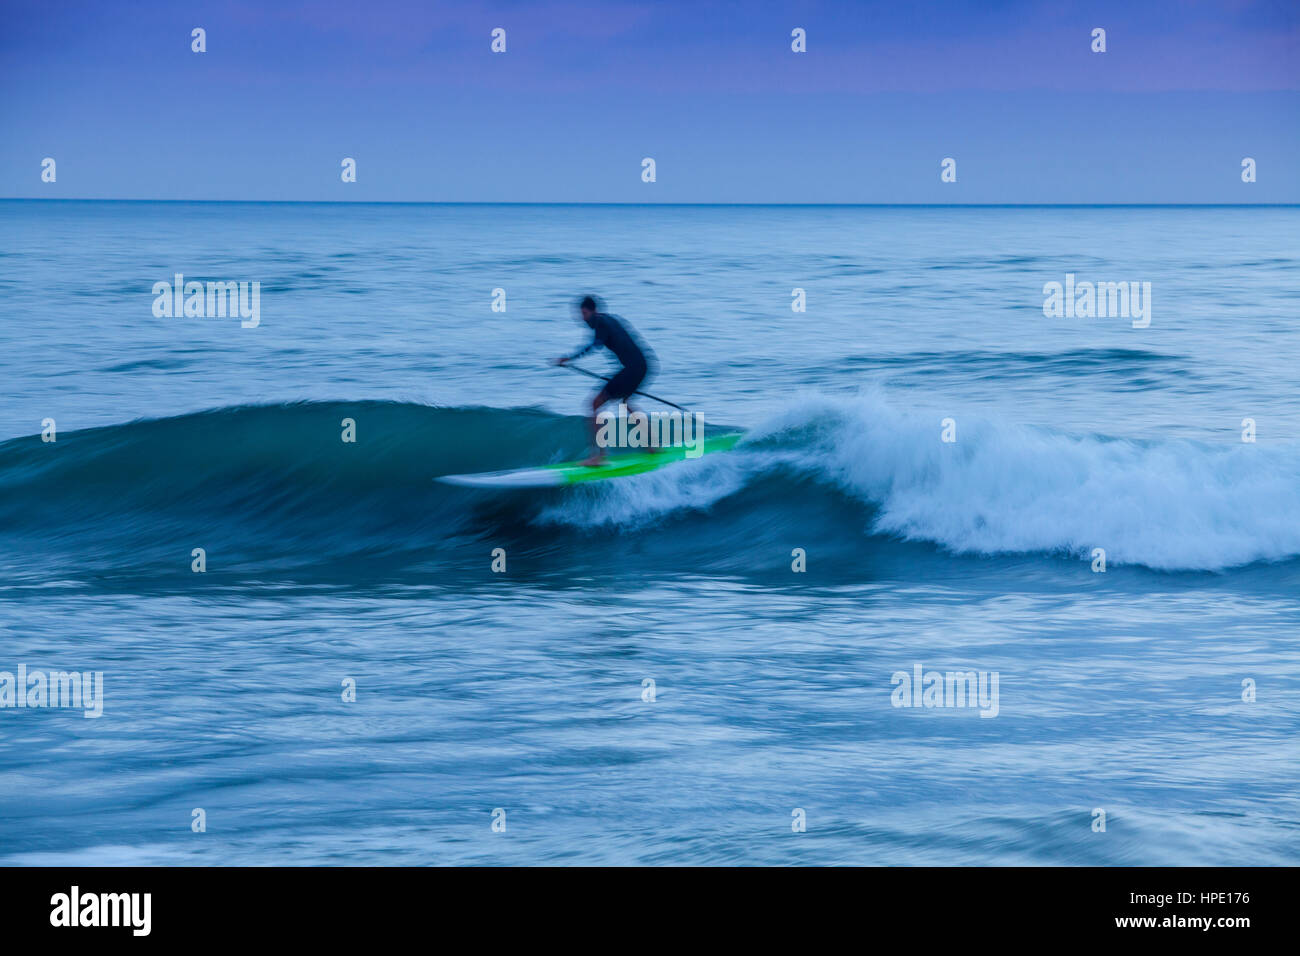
point(603, 378)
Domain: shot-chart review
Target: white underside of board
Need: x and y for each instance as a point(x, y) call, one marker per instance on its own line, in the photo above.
point(521, 478)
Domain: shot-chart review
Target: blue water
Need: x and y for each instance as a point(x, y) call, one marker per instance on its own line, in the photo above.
point(327, 561)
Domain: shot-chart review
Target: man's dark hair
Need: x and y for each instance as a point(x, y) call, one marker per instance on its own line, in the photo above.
point(589, 302)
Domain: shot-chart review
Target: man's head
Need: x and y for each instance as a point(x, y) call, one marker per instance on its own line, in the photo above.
point(589, 306)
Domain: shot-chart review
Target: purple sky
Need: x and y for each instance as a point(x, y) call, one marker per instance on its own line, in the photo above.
point(712, 91)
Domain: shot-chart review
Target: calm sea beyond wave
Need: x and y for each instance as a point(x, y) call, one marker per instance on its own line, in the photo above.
point(335, 659)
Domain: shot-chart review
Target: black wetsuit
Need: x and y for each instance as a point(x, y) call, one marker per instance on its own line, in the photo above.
point(613, 335)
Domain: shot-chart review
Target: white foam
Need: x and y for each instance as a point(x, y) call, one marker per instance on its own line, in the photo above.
point(1000, 487)
point(639, 500)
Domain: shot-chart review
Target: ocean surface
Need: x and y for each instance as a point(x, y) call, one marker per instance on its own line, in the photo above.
point(649, 680)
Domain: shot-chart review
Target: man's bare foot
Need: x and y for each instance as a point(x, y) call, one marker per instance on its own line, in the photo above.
point(594, 460)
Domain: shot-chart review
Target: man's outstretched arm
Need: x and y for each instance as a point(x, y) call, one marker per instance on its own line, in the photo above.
point(596, 340)
point(565, 359)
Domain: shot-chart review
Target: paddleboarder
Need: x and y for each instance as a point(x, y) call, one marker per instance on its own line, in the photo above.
point(610, 332)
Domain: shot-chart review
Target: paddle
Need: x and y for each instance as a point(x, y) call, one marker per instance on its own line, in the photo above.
point(638, 392)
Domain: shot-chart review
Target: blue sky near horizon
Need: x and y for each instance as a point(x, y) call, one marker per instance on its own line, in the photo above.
point(713, 92)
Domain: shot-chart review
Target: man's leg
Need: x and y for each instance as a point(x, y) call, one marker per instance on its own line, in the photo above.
point(598, 453)
point(620, 388)
point(632, 411)
point(628, 381)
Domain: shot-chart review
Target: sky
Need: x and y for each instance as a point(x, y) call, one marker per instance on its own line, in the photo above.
point(712, 92)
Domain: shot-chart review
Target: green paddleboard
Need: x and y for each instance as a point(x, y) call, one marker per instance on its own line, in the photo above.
point(574, 472)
